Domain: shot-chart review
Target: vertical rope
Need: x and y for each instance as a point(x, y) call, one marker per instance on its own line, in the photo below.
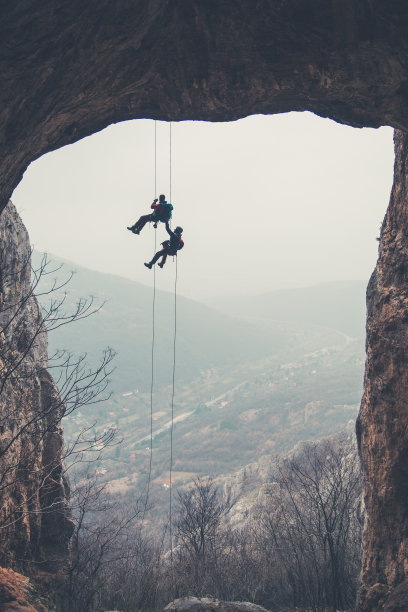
point(149, 477)
point(151, 381)
point(172, 397)
point(155, 159)
point(171, 436)
point(170, 158)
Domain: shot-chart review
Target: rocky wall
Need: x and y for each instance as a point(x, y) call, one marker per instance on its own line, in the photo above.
point(382, 424)
point(34, 519)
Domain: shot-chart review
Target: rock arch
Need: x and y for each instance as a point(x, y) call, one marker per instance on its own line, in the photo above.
point(69, 69)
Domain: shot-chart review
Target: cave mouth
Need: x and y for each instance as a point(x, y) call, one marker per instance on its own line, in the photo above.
point(285, 200)
point(71, 70)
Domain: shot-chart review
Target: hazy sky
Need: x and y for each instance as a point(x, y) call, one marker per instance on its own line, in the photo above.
point(265, 202)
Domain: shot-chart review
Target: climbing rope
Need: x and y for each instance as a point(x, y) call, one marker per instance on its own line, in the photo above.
point(151, 381)
point(149, 476)
point(174, 368)
point(170, 161)
point(171, 435)
point(155, 159)
point(172, 393)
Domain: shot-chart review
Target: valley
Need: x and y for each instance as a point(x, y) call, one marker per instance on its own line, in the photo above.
point(246, 385)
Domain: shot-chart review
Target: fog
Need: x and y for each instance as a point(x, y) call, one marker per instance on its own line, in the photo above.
point(266, 202)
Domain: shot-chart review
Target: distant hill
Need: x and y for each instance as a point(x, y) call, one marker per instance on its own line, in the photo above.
point(244, 388)
point(338, 305)
point(205, 338)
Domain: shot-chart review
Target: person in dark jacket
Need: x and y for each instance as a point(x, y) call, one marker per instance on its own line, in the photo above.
point(161, 212)
point(170, 247)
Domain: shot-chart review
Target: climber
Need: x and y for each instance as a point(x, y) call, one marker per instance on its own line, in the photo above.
point(170, 247)
point(161, 212)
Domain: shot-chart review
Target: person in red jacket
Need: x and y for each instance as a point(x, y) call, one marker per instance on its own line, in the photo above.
point(161, 212)
point(170, 247)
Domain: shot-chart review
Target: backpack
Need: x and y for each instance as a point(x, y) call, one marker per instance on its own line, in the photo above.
point(164, 211)
point(173, 248)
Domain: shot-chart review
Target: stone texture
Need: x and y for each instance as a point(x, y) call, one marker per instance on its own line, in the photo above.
point(34, 520)
point(382, 425)
point(208, 604)
point(398, 600)
point(17, 594)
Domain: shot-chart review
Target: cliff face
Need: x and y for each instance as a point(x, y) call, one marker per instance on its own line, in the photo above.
point(34, 521)
point(17, 594)
point(69, 69)
point(382, 424)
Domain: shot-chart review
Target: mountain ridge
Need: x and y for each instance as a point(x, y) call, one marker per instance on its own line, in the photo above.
point(335, 304)
point(205, 337)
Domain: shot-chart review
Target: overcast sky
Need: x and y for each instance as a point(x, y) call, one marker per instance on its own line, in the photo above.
point(265, 202)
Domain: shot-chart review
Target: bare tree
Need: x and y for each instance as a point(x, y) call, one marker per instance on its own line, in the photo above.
point(32, 477)
point(312, 527)
point(111, 564)
point(305, 536)
point(198, 532)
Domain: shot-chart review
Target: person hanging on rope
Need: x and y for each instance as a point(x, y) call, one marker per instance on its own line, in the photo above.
point(161, 212)
point(170, 247)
